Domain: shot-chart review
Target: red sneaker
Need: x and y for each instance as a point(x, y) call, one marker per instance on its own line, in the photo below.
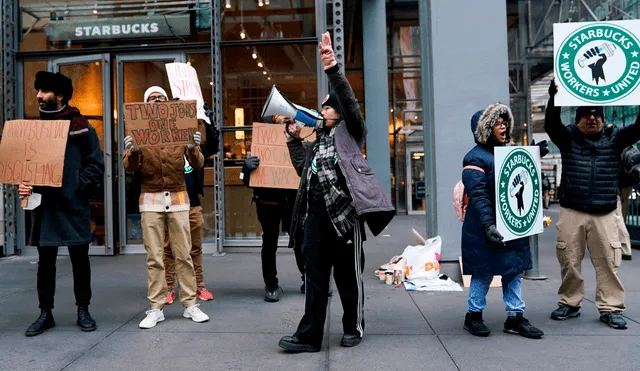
point(171, 295)
point(202, 293)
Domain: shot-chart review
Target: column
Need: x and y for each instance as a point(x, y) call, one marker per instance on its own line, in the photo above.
point(376, 89)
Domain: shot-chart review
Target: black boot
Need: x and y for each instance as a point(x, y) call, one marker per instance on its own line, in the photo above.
point(475, 325)
point(42, 324)
point(86, 323)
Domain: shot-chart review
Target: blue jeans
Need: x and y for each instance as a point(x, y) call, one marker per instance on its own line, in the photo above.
point(511, 294)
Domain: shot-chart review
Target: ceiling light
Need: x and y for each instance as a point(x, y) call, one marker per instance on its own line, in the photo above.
point(264, 72)
point(260, 3)
point(228, 4)
point(254, 54)
point(188, 63)
point(260, 64)
point(415, 117)
point(95, 11)
point(267, 2)
point(391, 110)
point(269, 78)
point(211, 83)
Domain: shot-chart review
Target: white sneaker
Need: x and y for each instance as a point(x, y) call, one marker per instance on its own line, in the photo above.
point(153, 317)
point(195, 314)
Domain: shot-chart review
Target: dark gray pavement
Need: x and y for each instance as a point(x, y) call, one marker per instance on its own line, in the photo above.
point(409, 331)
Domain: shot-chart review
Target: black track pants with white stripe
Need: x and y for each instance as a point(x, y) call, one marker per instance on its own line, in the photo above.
point(322, 249)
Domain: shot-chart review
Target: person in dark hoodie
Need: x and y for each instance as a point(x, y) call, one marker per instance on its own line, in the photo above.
point(484, 254)
point(195, 188)
point(338, 192)
point(274, 208)
point(64, 218)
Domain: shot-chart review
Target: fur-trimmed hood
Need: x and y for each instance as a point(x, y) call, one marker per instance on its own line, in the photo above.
point(482, 122)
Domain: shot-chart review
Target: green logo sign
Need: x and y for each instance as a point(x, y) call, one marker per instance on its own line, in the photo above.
point(599, 63)
point(518, 192)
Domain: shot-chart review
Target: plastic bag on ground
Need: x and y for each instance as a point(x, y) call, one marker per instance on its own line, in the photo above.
point(423, 261)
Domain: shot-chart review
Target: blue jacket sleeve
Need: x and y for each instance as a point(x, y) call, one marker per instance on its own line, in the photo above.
point(477, 188)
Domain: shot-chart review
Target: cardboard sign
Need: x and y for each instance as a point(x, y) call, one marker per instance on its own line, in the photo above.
point(162, 123)
point(518, 187)
point(597, 63)
point(269, 143)
point(32, 152)
point(185, 85)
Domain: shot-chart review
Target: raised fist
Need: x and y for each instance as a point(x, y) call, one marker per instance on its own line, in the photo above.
point(553, 87)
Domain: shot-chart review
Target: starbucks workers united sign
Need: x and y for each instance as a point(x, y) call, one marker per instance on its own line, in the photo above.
point(597, 63)
point(518, 191)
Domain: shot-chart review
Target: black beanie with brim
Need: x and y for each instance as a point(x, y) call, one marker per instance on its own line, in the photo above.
point(583, 111)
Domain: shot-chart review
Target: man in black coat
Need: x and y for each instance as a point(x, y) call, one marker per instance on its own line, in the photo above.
point(64, 218)
point(274, 208)
point(590, 172)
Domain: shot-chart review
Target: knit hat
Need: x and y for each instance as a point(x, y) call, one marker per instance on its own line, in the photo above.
point(155, 89)
point(583, 111)
point(331, 100)
point(55, 82)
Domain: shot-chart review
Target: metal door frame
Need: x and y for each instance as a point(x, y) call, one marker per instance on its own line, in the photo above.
point(409, 151)
point(120, 60)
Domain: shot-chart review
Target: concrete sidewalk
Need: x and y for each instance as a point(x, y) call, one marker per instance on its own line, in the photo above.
point(409, 331)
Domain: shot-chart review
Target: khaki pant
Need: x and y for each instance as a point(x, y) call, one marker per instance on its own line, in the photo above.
point(623, 234)
point(153, 229)
point(601, 236)
point(195, 224)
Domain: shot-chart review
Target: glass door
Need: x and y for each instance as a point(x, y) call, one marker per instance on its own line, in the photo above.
point(134, 74)
point(91, 76)
point(416, 190)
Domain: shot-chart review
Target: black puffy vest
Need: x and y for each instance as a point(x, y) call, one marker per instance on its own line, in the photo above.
point(590, 171)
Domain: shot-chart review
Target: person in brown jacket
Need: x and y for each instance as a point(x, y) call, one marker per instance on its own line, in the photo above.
point(164, 203)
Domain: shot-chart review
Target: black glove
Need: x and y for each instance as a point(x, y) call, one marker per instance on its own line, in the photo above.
point(635, 173)
point(544, 147)
point(553, 88)
point(494, 237)
point(250, 164)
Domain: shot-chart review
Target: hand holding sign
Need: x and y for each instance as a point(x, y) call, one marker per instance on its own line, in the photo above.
point(128, 144)
point(197, 138)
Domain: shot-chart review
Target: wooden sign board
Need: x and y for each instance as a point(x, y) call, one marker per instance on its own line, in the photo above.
point(161, 124)
point(32, 152)
point(276, 170)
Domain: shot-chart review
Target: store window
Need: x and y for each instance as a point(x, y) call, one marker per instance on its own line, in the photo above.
point(264, 19)
point(248, 75)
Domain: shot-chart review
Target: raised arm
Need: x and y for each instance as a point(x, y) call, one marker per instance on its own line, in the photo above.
point(629, 135)
point(558, 133)
point(346, 97)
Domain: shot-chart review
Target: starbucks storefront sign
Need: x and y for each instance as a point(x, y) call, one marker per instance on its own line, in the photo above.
point(597, 63)
point(119, 28)
point(518, 192)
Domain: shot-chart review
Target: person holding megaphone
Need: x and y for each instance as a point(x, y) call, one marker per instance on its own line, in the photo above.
point(338, 193)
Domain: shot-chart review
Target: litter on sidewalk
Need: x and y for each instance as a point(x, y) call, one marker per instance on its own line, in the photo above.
point(418, 268)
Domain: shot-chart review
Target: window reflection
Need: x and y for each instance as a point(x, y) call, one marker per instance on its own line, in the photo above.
point(264, 19)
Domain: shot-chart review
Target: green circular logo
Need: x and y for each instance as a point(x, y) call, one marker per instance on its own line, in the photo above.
point(519, 192)
point(599, 63)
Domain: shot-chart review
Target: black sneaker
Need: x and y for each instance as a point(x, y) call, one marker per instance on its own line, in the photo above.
point(564, 312)
point(475, 325)
point(614, 319)
point(86, 323)
point(273, 296)
point(293, 344)
point(520, 326)
point(350, 340)
point(42, 324)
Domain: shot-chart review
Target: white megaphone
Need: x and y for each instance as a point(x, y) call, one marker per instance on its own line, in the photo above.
point(278, 104)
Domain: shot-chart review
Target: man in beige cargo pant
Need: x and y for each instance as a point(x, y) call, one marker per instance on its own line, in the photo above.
point(590, 173)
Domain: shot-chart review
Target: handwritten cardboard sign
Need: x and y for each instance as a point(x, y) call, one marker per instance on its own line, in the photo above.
point(268, 142)
point(185, 85)
point(32, 152)
point(161, 123)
